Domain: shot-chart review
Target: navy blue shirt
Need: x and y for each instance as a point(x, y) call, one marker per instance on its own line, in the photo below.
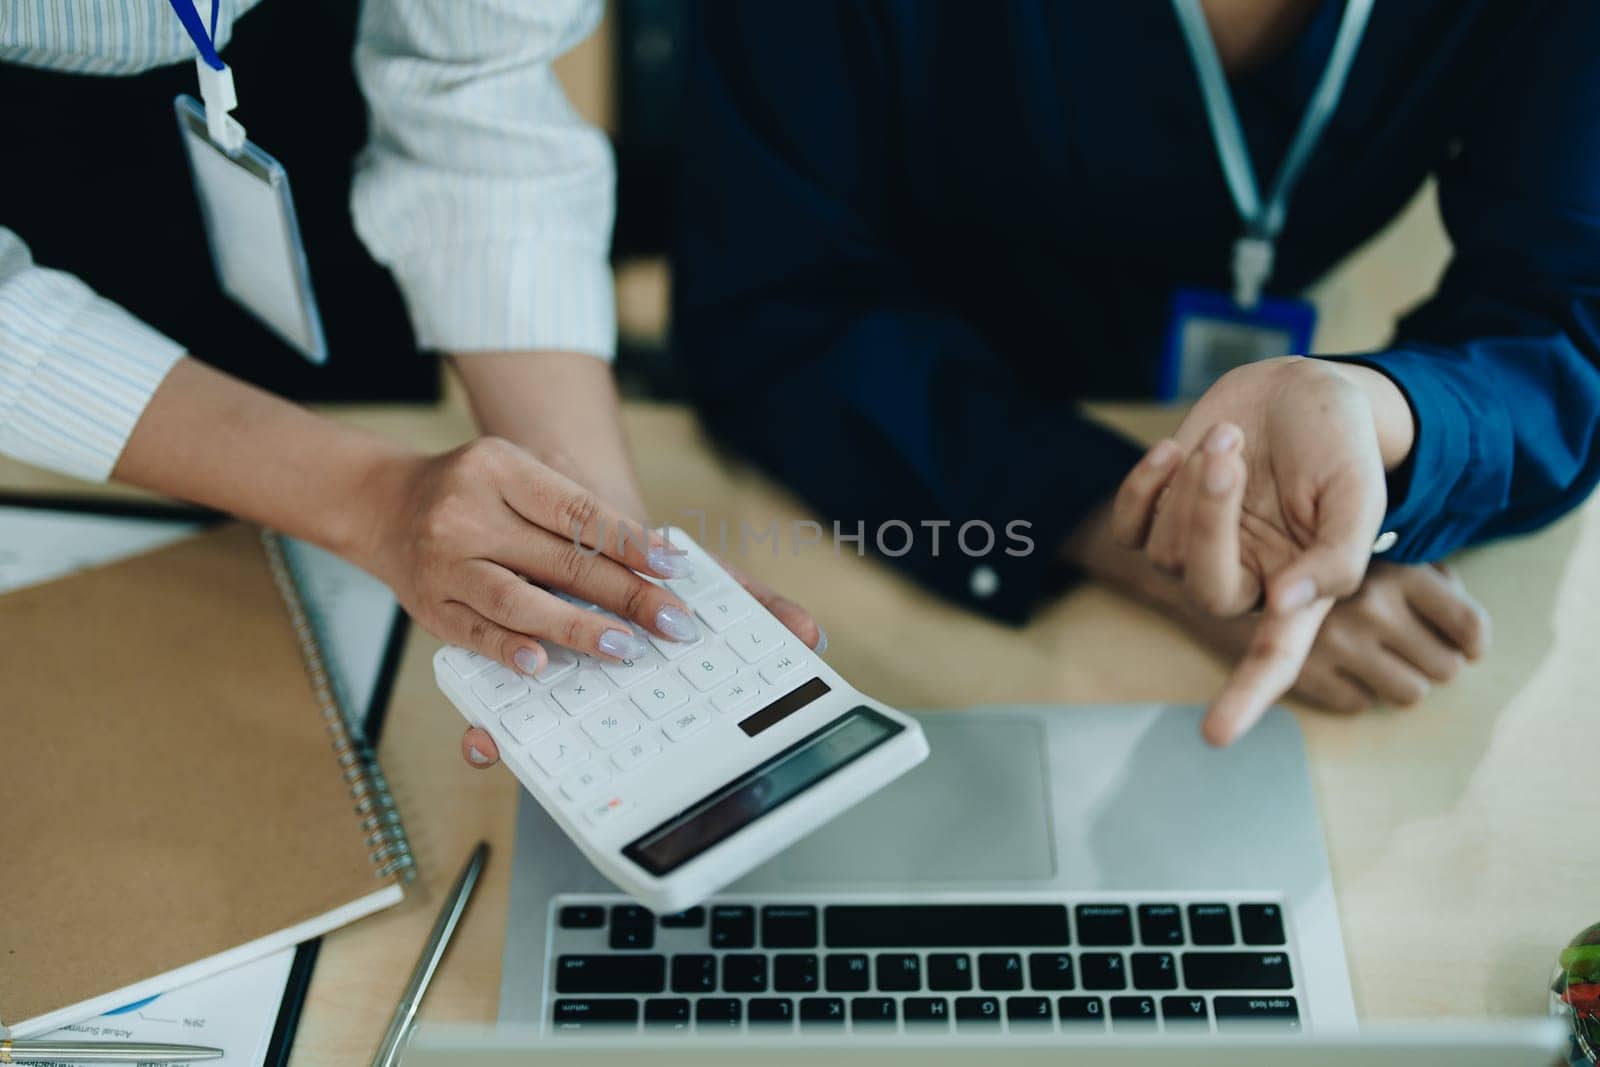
point(914, 235)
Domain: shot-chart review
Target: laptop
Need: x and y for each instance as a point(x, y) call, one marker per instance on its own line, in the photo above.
point(1054, 871)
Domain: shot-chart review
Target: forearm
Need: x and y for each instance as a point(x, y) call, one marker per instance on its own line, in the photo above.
point(217, 441)
point(562, 407)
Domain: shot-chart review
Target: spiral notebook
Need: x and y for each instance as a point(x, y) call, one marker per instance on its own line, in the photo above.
point(182, 793)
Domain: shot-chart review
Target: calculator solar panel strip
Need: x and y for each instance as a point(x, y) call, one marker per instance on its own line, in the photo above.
point(679, 772)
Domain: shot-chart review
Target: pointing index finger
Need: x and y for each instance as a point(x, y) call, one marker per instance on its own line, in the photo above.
point(1269, 669)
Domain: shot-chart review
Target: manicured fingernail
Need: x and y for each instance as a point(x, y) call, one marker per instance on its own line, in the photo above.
point(669, 562)
point(527, 660)
point(1298, 595)
point(1219, 476)
point(621, 644)
point(822, 640)
point(476, 756)
point(1222, 438)
point(1163, 453)
point(677, 624)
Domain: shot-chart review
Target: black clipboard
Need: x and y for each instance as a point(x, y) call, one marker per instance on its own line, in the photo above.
point(305, 954)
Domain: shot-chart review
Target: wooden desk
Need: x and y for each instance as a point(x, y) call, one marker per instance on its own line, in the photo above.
point(1452, 827)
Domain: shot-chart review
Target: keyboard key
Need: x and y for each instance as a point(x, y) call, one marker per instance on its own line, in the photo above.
point(848, 973)
point(943, 925)
point(773, 671)
point(1050, 970)
point(1133, 1013)
point(582, 917)
point(1160, 924)
point(923, 1012)
point(1000, 970)
point(581, 692)
point(1210, 924)
point(559, 662)
point(672, 650)
point(500, 687)
point(635, 753)
point(557, 752)
point(611, 974)
point(584, 1014)
point(949, 971)
point(632, 927)
point(1104, 924)
point(1237, 970)
point(744, 974)
point(794, 973)
point(684, 724)
point(1029, 1011)
point(465, 662)
point(755, 641)
point(694, 974)
point(708, 668)
point(662, 695)
point(788, 926)
point(737, 693)
point(821, 1011)
point(584, 783)
point(718, 1013)
point(611, 725)
point(899, 973)
point(1081, 1013)
point(770, 1011)
point(1260, 924)
point(977, 1011)
point(1259, 1013)
point(666, 1013)
point(624, 673)
point(1154, 970)
point(873, 1011)
point(704, 581)
point(689, 918)
point(529, 721)
point(733, 926)
point(1184, 1011)
point(722, 610)
point(1103, 970)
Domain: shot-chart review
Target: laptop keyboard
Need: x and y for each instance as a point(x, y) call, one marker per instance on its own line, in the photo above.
point(1073, 968)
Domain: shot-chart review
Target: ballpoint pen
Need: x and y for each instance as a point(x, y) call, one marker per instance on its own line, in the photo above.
point(102, 1052)
point(455, 902)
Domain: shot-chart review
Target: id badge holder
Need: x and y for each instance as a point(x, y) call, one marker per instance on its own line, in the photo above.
point(253, 232)
point(1209, 334)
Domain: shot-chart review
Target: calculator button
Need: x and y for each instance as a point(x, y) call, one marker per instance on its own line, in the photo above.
point(465, 662)
point(634, 753)
point(723, 610)
point(755, 641)
point(581, 692)
point(606, 810)
point(736, 693)
point(708, 667)
point(662, 695)
point(684, 723)
point(628, 671)
point(529, 721)
point(777, 668)
point(611, 725)
point(672, 649)
point(559, 662)
point(705, 580)
point(499, 688)
point(586, 782)
point(557, 752)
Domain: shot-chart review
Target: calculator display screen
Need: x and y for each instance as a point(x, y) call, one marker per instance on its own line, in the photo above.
point(720, 815)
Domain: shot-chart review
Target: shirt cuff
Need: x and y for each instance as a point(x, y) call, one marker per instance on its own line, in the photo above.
point(510, 296)
point(76, 373)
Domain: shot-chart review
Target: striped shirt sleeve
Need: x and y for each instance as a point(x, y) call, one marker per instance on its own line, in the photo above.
point(76, 370)
point(481, 189)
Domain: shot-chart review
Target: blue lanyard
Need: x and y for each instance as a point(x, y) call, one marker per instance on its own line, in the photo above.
point(1263, 221)
point(216, 80)
point(203, 40)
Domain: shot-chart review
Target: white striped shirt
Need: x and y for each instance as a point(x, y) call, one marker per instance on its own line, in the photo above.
point(480, 189)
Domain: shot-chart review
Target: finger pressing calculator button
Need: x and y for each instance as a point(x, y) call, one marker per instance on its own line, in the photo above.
point(755, 641)
point(611, 725)
point(684, 723)
point(662, 695)
point(557, 752)
point(529, 721)
point(704, 581)
point(743, 689)
point(723, 610)
point(585, 783)
point(499, 687)
point(775, 669)
point(466, 662)
point(559, 662)
point(708, 667)
point(581, 691)
point(634, 753)
point(628, 671)
point(672, 649)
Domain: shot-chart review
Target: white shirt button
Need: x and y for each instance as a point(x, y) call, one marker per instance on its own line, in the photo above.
point(984, 582)
point(1384, 542)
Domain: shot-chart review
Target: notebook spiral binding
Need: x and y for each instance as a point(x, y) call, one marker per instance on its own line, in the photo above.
point(387, 846)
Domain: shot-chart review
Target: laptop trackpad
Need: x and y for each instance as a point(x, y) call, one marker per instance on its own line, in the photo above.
point(976, 810)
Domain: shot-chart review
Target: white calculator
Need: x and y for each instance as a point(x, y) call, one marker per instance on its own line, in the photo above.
point(677, 773)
